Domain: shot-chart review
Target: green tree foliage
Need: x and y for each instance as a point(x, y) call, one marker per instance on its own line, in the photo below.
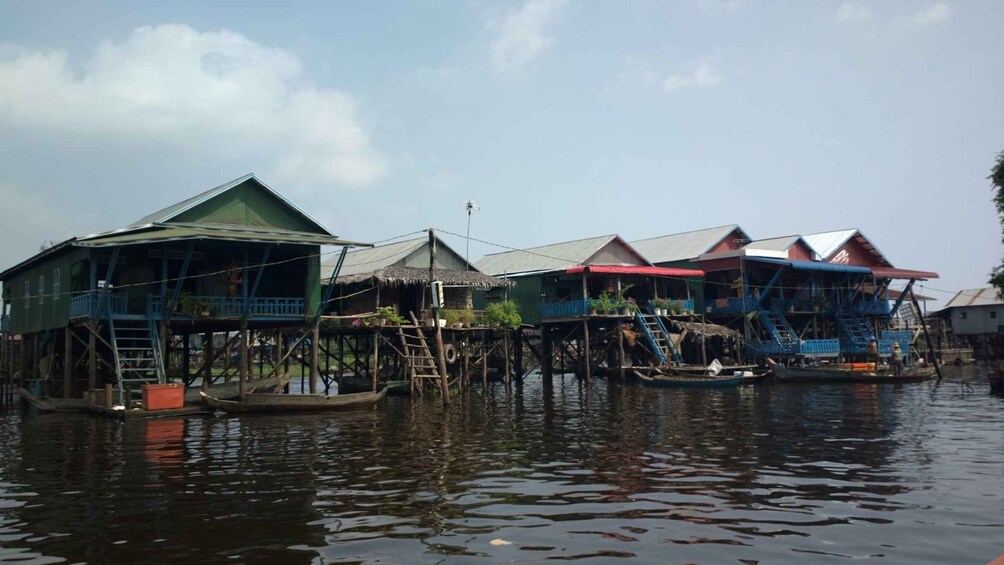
point(997, 181)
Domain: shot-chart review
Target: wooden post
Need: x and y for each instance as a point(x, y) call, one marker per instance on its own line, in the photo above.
point(621, 351)
point(546, 354)
point(242, 385)
point(505, 346)
point(68, 363)
point(92, 359)
point(314, 369)
point(927, 337)
point(207, 370)
point(484, 365)
point(108, 396)
point(518, 353)
point(444, 379)
point(585, 349)
point(704, 349)
point(376, 358)
point(186, 358)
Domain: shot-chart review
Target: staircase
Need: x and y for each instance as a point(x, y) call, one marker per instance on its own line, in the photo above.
point(777, 326)
point(420, 364)
point(856, 331)
point(658, 338)
point(138, 359)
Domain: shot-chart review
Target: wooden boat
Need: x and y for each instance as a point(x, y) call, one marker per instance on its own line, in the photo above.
point(229, 391)
point(907, 375)
point(682, 381)
point(284, 403)
point(812, 374)
point(50, 404)
point(840, 375)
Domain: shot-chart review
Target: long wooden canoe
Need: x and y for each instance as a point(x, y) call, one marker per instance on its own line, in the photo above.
point(228, 391)
point(834, 375)
point(286, 403)
point(49, 404)
point(679, 381)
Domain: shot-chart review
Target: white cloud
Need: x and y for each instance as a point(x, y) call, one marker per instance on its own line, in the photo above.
point(699, 74)
point(932, 15)
point(521, 35)
point(849, 11)
point(218, 92)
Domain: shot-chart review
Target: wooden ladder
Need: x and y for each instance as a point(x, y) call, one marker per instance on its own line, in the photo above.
point(419, 361)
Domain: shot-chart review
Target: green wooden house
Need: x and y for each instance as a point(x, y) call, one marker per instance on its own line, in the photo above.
point(238, 255)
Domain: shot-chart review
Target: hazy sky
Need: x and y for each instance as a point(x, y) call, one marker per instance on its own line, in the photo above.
point(562, 119)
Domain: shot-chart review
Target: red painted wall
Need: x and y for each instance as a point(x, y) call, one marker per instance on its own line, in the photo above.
point(800, 252)
point(729, 243)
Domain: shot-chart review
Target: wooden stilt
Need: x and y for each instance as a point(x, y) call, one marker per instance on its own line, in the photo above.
point(207, 364)
point(68, 362)
point(518, 353)
point(314, 369)
point(92, 359)
point(546, 354)
point(587, 365)
point(375, 371)
point(505, 347)
point(444, 384)
point(620, 348)
point(927, 336)
point(242, 385)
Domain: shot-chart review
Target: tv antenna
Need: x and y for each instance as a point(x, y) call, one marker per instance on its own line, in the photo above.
point(471, 207)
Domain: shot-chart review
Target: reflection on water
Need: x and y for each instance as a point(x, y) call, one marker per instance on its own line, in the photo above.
point(760, 474)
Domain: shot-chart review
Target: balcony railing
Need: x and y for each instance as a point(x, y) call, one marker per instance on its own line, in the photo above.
point(225, 307)
point(683, 305)
point(884, 348)
point(90, 304)
point(567, 309)
point(806, 347)
point(729, 306)
point(4, 323)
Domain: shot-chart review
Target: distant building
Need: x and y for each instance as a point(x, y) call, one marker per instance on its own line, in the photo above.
point(973, 312)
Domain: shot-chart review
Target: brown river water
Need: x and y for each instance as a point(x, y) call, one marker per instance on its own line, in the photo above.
point(611, 473)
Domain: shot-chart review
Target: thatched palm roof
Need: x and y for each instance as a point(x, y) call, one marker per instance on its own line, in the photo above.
point(402, 276)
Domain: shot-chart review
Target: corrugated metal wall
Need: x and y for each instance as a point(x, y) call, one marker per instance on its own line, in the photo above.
point(34, 314)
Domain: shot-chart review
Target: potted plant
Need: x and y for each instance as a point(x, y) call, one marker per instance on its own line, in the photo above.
point(388, 315)
point(661, 306)
point(602, 304)
point(467, 318)
point(503, 314)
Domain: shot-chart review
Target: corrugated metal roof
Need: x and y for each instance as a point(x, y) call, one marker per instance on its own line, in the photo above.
point(372, 259)
point(543, 259)
point(783, 243)
point(166, 214)
point(891, 273)
point(683, 246)
point(975, 297)
point(827, 243)
point(635, 270)
point(159, 233)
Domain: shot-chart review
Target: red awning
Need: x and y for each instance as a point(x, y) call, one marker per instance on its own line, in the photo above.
point(890, 273)
point(635, 270)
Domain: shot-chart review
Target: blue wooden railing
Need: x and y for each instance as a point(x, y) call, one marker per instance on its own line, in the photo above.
point(4, 323)
point(806, 347)
point(224, 307)
point(684, 305)
point(567, 309)
point(89, 304)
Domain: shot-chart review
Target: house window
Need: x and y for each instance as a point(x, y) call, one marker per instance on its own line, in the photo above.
point(55, 284)
point(993, 314)
point(27, 293)
point(963, 315)
point(41, 289)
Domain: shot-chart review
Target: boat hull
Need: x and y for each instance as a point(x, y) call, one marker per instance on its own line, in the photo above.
point(812, 375)
point(290, 403)
point(674, 381)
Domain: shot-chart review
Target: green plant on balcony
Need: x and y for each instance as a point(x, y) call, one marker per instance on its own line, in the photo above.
point(503, 314)
point(192, 306)
point(391, 316)
point(603, 304)
point(467, 317)
point(819, 303)
point(452, 317)
point(661, 306)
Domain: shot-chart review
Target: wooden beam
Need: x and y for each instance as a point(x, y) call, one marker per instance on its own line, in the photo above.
point(68, 363)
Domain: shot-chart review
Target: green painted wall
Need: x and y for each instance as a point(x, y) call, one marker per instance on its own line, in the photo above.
point(696, 284)
point(35, 313)
point(526, 294)
point(313, 289)
point(248, 204)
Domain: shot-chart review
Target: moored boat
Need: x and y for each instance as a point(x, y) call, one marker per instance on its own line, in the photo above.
point(907, 375)
point(812, 374)
point(682, 381)
point(51, 404)
point(285, 403)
